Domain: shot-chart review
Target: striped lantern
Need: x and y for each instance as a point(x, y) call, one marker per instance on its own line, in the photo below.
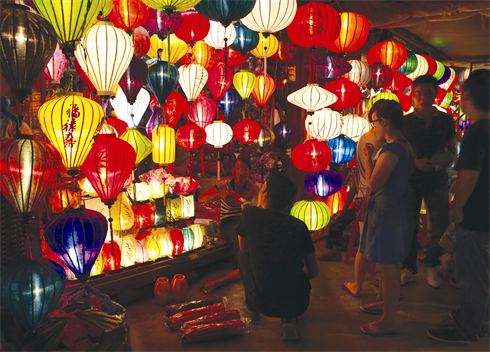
point(313, 213)
point(323, 124)
point(354, 126)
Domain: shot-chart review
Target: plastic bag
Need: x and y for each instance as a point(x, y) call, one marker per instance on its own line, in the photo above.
point(448, 239)
point(213, 285)
point(215, 331)
point(175, 322)
point(182, 307)
point(231, 314)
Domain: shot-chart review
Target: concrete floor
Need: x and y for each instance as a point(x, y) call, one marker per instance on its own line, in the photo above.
point(331, 323)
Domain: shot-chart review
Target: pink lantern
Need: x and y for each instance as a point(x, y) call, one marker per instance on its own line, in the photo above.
point(203, 111)
point(55, 67)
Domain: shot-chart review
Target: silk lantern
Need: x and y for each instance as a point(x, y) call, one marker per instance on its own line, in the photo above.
point(218, 36)
point(55, 67)
point(163, 24)
point(246, 39)
point(83, 75)
point(263, 88)
point(244, 83)
point(389, 53)
point(28, 167)
point(379, 96)
point(82, 15)
point(141, 41)
point(267, 46)
point(287, 49)
point(198, 235)
point(194, 27)
point(380, 75)
point(190, 136)
point(128, 250)
point(441, 94)
point(27, 43)
point(431, 63)
point(330, 67)
point(133, 79)
point(218, 134)
point(283, 89)
point(246, 131)
point(410, 64)
point(233, 58)
point(313, 213)
point(324, 124)
point(269, 16)
point(143, 215)
point(76, 236)
point(398, 83)
point(324, 182)
point(141, 252)
point(60, 199)
point(140, 143)
point(422, 67)
point(131, 113)
point(153, 248)
point(360, 73)
point(161, 81)
point(311, 155)
point(230, 104)
point(171, 5)
point(225, 11)
point(312, 97)
point(112, 256)
point(219, 80)
point(188, 235)
point(192, 79)
point(31, 289)
point(163, 141)
point(70, 123)
point(440, 70)
point(177, 239)
point(451, 82)
point(354, 126)
point(336, 201)
point(98, 267)
point(405, 101)
point(174, 108)
point(140, 193)
point(117, 123)
point(265, 138)
point(283, 132)
point(203, 111)
point(353, 33)
point(128, 14)
point(347, 92)
point(170, 50)
point(343, 149)
point(201, 54)
point(122, 213)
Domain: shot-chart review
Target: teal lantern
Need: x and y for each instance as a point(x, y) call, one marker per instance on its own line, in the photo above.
point(31, 289)
point(343, 149)
point(246, 39)
point(312, 212)
point(162, 80)
point(410, 64)
point(188, 239)
point(225, 11)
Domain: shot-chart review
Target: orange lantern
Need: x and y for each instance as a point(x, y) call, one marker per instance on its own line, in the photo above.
point(263, 89)
point(337, 200)
point(354, 30)
point(201, 54)
point(61, 199)
point(389, 53)
point(128, 14)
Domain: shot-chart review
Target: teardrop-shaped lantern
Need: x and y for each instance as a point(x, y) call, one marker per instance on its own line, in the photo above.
point(246, 39)
point(131, 113)
point(283, 132)
point(269, 16)
point(264, 88)
point(133, 79)
point(246, 131)
point(203, 111)
point(311, 155)
point(194, 27)
point(324, 124)
point(128, 14)
point(161, 82)
point(268, 45)
point(55, 67)
point(312, 98)
point(140, 143)
point(171, 5)
point(354, 30)
point(347, 92)
point(220, 79)
point(343, 149)
point(410, 64)
point(70, 123)
point(192, 79)
point(141, 41)
point(266, 137)
point(324, 182)
point(330, 67)
point(360, 73)
point(244, 83)
point(178, 48)
point(218, 134)
point(163, 140)
point(389, 53)
point(230, 104)
point(27, 43)
point(162, 24)
point(354, 126)
point(122, 213)
point(201, 54)
point(313, 213)
point(190, 136)
point(225, 11)
point(219, 35)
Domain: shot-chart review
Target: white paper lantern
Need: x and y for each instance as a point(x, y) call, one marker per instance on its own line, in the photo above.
point(312, 98)
point(360, 73)
point(323, 125)
point(128, 250)
point(187, 206)
point(192, 79)
point(269, 16)
point(422, 67)
point(143, 191)
point(219, 35)
point(218, 134)
point(198, 235)
point(131, 114)
point(354, 126)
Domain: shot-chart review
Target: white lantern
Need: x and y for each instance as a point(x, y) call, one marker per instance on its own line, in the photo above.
point(198, 235)
point(312, 98)
point(218, 134)
point(360, 73)
point(354, 126)
point(131, 114)
point(269, 16)
point(463, 75)
point(219, 35)
point(143, 192)
point(450, 81)
point(192, 79)
point(108, 51)
point(187, 206)
point(323, 125)
point(422, 67)
point(128, 250)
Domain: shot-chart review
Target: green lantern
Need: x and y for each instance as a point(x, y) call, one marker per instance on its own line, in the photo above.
point(141, 144)
point(410, 64)
point(440, 70)
point(447, 100)
point(312, 212)
point(162, 79)
point(188, 239)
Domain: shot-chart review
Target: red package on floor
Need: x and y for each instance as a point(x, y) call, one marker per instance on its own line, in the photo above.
point(215, 331)
point(182, 307)
point(213, 285)
point(175, 322)
point(231, 314)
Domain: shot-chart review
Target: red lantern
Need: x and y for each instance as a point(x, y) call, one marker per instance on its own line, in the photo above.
point(405, 101)
point(263, 89)
point(112, 258)
point(175, 106)
point(336, 201)
point(194, 27)
point(311, 155)
point(190, 136)
point(347, 91)
point(117, 123)
point(246, 131)
point(380, 74)
point(315, 24)
point(389, 53)
point(287, 49)
point(153, 102)
point(177, 240)
point(441, 94)
point(108, 166)
point(144, 215)
point(354, 30)
point(141, 41)
point(235, 58)
point(432, 64)
point(220, 79)
point(60, 199)
point(128, 14)
point(203, 111)
point(398, 83)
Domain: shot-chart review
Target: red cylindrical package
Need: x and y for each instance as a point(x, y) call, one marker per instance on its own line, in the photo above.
point(213, 285)
point(175, 322)
point(182, 307)
point(231, 314)
point(214, 331)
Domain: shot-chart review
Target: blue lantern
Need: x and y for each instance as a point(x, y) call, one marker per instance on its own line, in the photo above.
point(31, 289)
point(343, 149)
point(225, 11)
point(323, 183)
point(246, 39)
point(283, 132)
point(162, 81)
point(230, 104)
point(188, 239)
point(76, 236)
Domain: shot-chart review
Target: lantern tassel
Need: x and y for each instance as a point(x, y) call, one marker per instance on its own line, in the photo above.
point(134, 187)
point(219, 166)
point(112, 230)
point(265, 62)
point(202, 163)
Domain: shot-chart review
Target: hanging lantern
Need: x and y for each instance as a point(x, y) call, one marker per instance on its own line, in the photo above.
point(141, 253)
point(163, 141)
point(233, 58)
point(354, 126)
point(131, 113)
point(188, 235)
point(83, 75)
point(324, 124)
point(312, 98)
point(141, 41)
point(398, 83)
point(70, 123)
point(330, 67)
point(265, 138)
point(440, 70)
point(283, 89)
point(380, 75)
point(118, 124)
point(133, 79)
point(347, 92)
point(76, 236)
point(447, 100)
point(27, 43)
point(263, 89)
point(192, 79)
point(336, 201)
point(61, 199)
point(219, 36)
point(175, 106)
point(405, 101)
point(28, 167)
point(451, 82)
point(311, 155)
point(441, 94)
point(354, 30)
point(177, 49)
point(230, 104)
point(283, 132)
point(267, 45)
point(269, 16)
point(201, 54)
point(203, 111)
point(246, 39)
point(379, 96)
point(157, 117)
point(128, 251)
point(55, 67)
point(314, 25)
point(244, 83)
point(462, 75)
point(198, 235)
point(98, 267)
point(190, 136)
point(82, 15)
point(389, 53)
point(161, 81)
point(153, 248)
point(313, 213)
point(171, 5)
point(422, 67)
point(323, 183)
point(218, 134)
point(431, 63)
point(246, 131)
point(112, 256)
point(343, 149)
point(220, 79)
point(31, 289)
point(144, 215)
point(108, 166)
point(140, 143)
point(122, 213)
point(360, 73)
point(225, 11)
point(177, 239)
point(128, 14)
point(410, 64)
point(287, 49)
point(143, 192)
point(194, 27)
point(163, 24)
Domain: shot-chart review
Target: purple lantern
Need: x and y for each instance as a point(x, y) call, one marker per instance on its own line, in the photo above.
point(330, 67)
point(463, 125)
point(323, 183)
point(283, 132)
point(445, 76)
point(162, 24)
point(380, 75)
point(133, 79)
point(156, 118)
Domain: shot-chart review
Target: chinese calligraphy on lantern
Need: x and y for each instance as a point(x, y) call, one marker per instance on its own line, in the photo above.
point(69, 127)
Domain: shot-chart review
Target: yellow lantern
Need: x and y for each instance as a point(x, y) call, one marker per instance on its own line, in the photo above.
point(70, 123)
point(202, 54)
point(98, 267)
point(173, 210)
point(122, 213)
point(313, 213)
point(178, 48)
point(244, 83)
point(268, 46)
point(128, 250)
point(140, 143)
point(153, 247)
point(198, 235)
point(163, 237)
point(87, 188)
point(171, 5)
point(163, 139)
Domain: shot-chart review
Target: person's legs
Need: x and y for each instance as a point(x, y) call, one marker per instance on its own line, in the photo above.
point(335, 233)
point(248, 285)
point(361, 265)
point(415, 194)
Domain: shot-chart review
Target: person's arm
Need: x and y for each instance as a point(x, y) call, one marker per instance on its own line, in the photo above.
point(451, 147)
point(212, 193)
point(311, 266)
point(376, 176)
point(464, 186)
point(242, 241)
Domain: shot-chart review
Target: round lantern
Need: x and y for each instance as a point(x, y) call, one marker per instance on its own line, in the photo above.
point(70, 123)
point(246, 39)
point(343, 149)
point(380, 75)
point(269, 16)
point(133, 79)
point(398, 83)
point(194, 27)
point(313, 213)
point(230, 104)
point(347, 92)
point(283, 89)
point(220, 79)
point(31, 289)
point(315, 24)
point(244, 83)
point(27, 43)
point(225, 11)
point(131, 113)
point(128, 250)
point(431, 63)
point(324, 124)
point(360, 73)
point(266, 46)
point(354, 30)
point(323, 183)
point(171, 5)
point(329, 67)
point(141, 41)
point(422, 67)
point(190, 136)
point(218, 134)
point(188, 235)
point(108, 166)
point(163, 24)
point(451, 82)
point(198, 235)
point(389, 53)
point(76, 236)
point(312, 98)
point(287, 49)
point(336, 201)
point(379, 96)
point(354, 126)
point(55, 67)
point(246, 131)
point(82, 15)
point(143, 215)
point(111, 253)
point(128, 14)
point(140, 143)
point(311, 155)
point(231, 57)
point(440, 70)
point(219, 36)
point(117, 123)
point(283, 131)
point(28, 167)
point(192, 79)
point(163, 141)
point(201, 54)
point(263, 89)
point(265, 138)
point(171, 49)
point(203, 111)
point(410, 65)
point(161, 81)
